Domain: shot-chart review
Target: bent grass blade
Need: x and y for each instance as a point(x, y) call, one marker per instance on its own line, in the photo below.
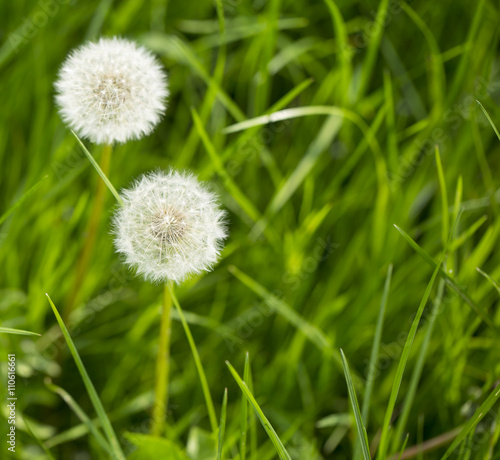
point(280, 448)
point(94, 397)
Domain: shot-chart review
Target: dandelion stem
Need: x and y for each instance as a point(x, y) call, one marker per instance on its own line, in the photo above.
point(92, 229)
point(163, 364)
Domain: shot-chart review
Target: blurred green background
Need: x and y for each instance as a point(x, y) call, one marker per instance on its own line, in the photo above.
point(373, 88)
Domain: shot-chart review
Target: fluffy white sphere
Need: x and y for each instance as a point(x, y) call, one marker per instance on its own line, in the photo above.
point(111, 91)
point(170, 226)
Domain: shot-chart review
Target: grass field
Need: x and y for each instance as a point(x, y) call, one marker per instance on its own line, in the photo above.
point(348, 142)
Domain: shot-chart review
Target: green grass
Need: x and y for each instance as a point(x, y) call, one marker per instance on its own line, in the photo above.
point(362, 436)
point(348, 140)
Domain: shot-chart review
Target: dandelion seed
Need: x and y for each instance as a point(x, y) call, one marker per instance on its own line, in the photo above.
point(111, 91)
point(170, 226)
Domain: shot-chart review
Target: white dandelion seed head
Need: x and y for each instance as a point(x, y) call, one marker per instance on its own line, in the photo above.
point(112, 90)
point(169, 227)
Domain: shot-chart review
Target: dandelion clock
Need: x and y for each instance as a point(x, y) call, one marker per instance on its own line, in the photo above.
point(111, 91)
point(168, 227)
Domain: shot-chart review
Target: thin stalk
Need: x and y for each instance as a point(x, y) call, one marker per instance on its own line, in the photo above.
point(117, 453)
point(93, 227)
point(163, 364)
point(199, 367)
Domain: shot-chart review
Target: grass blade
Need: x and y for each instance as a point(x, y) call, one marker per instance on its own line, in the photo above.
point(315, 335)
point(182, 53)
point(38, 440)
point(438, 78)
point(376, 346)
point(296, 112)
point(8, 330)
point(384, 439)
point(363, 438)
point(327, 134)
point(489, 119)
point(280, 448)
point(374, 355)
point(404, 446)
point(290, 96)
point(247, 375)
point(98, 19)
point(469, 49)
point(448, 280)
point(199, 366)
point(244, 203)
point(480, 413)
point(244, 412)
point(99, 170)
point(21, 200)
point(490, 279)
point(94, 397)
point(462, 238)
point(82, 416)
point(417, 371)
point(444, 198)
point(345, 52)
point(373, 48)
point(222, 425)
